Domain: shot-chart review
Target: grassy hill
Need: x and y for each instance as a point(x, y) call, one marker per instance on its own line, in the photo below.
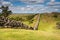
point(46, 29)
point(47, 20)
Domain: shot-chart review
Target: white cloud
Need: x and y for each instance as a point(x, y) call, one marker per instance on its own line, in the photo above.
point(7, 3)
point(53, 2)
point(33, 1)
point(32, 9)
point(36, 8)
point(29, 1)
point(28, 8)
point(56, 9)
point(0, 10)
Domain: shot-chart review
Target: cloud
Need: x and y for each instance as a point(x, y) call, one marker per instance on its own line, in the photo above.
point(0, 10)
point(36, 8)
point(30, 1)
point(56, 9)
point(55, 6)
point(33, 1)
point(53, 2)
point(7, 3)
point(27, 9)
point(33, 9)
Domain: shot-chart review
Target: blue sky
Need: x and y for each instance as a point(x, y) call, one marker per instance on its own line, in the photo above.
point(32, 6)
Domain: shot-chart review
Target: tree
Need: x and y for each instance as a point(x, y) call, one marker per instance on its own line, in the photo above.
point(5, 11)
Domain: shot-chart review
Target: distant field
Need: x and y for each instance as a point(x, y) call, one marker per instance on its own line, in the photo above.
point(21, 34)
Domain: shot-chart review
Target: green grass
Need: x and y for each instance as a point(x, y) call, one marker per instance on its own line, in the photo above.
point(21, 34)
point(47, 26)
point(47, 21)
point(47, 30)
point(24, 18)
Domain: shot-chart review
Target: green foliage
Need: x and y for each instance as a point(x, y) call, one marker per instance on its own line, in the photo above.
point(16, 18)
point(5, 11)
point(58, 25)
point(56, 16)
point(0, 14)
point(31, 21)
point(30, 17)
point(22, 17)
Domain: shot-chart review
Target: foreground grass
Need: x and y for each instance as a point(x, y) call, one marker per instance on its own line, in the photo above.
point(21, 34)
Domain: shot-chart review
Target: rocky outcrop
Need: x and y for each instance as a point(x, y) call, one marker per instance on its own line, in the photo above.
point(7, 23)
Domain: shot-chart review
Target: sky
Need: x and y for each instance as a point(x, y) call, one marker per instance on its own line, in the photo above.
point(32, 6)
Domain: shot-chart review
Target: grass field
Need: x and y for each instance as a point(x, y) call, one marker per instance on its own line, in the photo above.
point(21, 34)
point(46, 29)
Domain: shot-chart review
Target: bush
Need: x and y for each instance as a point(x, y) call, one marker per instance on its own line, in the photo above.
point(16, 18)
point(58, 25)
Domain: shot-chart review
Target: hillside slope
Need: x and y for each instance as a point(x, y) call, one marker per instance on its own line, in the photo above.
point(48, 21)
